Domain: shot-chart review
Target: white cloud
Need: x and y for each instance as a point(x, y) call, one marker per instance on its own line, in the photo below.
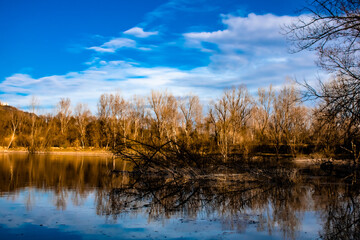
point(119, 43)
point(114, 44)
point(88, 85)
point(244, 33)
point(140, 33)
point(144, 48)
point(249, 50)
point(101, 49)
point(253, 46)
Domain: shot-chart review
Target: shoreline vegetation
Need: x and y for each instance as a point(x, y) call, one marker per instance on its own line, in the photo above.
point(234, 128)
point(61, 151)
point(102, 152)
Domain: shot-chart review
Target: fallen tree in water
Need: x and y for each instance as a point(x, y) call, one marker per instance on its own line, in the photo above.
point(169, 158)
point(177, 160)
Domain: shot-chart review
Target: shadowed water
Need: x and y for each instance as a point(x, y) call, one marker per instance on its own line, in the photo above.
point(86, 197)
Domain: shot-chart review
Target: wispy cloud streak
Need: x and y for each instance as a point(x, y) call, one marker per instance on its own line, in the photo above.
point(140, 33)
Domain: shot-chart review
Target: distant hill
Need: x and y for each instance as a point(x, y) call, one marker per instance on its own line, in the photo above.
point(5, 111)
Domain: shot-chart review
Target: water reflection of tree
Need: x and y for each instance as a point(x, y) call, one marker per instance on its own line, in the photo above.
point(274, 200)
point(236, 202)
point(62, 176)
point(340, 211)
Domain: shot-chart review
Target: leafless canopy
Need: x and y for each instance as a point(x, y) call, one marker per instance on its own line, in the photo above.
point(332, 29)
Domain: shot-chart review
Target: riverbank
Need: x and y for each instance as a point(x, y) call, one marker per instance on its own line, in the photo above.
point(63, 151)
point(301, 159)
point(321, 162)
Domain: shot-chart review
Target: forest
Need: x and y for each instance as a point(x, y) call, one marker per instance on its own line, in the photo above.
point(272, 122)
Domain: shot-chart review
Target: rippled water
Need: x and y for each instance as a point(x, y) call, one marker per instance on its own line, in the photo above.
point(83, 197)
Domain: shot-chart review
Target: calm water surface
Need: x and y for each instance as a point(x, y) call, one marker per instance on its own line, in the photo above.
point(83, 197)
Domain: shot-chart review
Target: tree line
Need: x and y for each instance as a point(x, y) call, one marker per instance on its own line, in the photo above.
point(275, 122)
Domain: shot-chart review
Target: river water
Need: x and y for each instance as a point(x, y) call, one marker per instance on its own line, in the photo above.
point(88, 197)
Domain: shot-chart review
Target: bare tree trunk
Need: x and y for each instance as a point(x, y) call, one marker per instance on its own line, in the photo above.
point(12, 139)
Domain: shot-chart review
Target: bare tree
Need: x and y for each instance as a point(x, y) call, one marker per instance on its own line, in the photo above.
point(119, 114)
point(231, 113)
point(82, 114)
point(239, 106)
point(104, 112)
point(222, 115)
point(16, 120)
point(34, 105)
point(166, 115)
point(137, 117)
point(191, 112)
point(64, 113)
point(288, 121)
point(262, 111)
point(49, 123)
point(332, 29)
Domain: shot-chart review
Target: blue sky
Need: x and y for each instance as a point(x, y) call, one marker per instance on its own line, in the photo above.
point(83, 48)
